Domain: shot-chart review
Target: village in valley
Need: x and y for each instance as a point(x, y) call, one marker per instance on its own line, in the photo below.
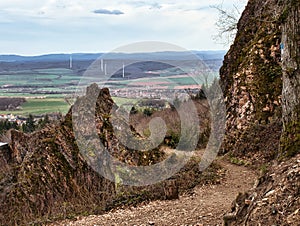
point(13, 118)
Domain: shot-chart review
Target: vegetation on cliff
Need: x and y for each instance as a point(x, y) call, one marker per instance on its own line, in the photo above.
point(290, 142)
point(44, 176)
point(274, 200)
point(251, 76)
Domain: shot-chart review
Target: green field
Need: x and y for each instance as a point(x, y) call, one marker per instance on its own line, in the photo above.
point(28, 82)
point(52, 104)
point(55, 84)
point(41, 106)
point(123, 101)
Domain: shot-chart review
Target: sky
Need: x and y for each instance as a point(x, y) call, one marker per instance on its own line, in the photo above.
point(35, 27)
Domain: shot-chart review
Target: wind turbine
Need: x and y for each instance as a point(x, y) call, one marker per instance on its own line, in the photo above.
point(71, 61)
point(123, 70)
point(102, 65)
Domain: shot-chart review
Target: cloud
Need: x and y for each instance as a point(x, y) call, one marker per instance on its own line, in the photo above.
point(146, 4)
point(202, 8)
point(155, 6)
point(93, 26)
point(108, 12)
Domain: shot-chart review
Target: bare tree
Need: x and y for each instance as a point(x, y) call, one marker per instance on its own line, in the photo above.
point(227, 22)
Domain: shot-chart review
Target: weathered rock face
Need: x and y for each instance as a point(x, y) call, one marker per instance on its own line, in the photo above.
point(275, 198)
point(251, 76)
point(290, 142)
point(44, 176)
point(260, 79)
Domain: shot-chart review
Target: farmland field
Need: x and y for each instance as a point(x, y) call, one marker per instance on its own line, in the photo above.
point(124, 101)
point(41, 106)
point(45, 90)
point(45, 84)
point(54, 104)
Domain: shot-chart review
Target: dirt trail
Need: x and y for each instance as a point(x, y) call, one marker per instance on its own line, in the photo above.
point(206, 206)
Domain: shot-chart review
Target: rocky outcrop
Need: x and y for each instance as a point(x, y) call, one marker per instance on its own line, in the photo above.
point(251, 76)
point(275, 198)
point(48, 178)
point(290, 142)
point(273, 201)
point(45, 176)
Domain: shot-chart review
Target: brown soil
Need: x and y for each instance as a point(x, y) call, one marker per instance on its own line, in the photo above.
point(206, 205)
point(274, 201)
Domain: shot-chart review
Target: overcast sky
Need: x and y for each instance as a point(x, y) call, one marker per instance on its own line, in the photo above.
point(31, 27)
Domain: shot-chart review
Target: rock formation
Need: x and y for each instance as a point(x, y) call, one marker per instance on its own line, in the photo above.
point(275, 198)
point(44, 176)
point(290, 142)
point(273, 201)
point(251, 79)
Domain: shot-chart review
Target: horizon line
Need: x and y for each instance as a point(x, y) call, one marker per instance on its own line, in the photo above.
point(74, 53)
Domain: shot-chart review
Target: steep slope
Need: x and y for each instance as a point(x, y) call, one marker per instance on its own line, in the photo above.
point(275, 199)
point(48, 177)
point(251, 78)
point(290, 142)
point(44, 176)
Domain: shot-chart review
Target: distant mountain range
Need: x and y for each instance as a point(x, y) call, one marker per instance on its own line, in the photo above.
point(204, 55)
point(49, 57)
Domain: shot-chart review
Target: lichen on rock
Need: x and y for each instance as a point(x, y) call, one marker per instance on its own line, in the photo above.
point(251, 75)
